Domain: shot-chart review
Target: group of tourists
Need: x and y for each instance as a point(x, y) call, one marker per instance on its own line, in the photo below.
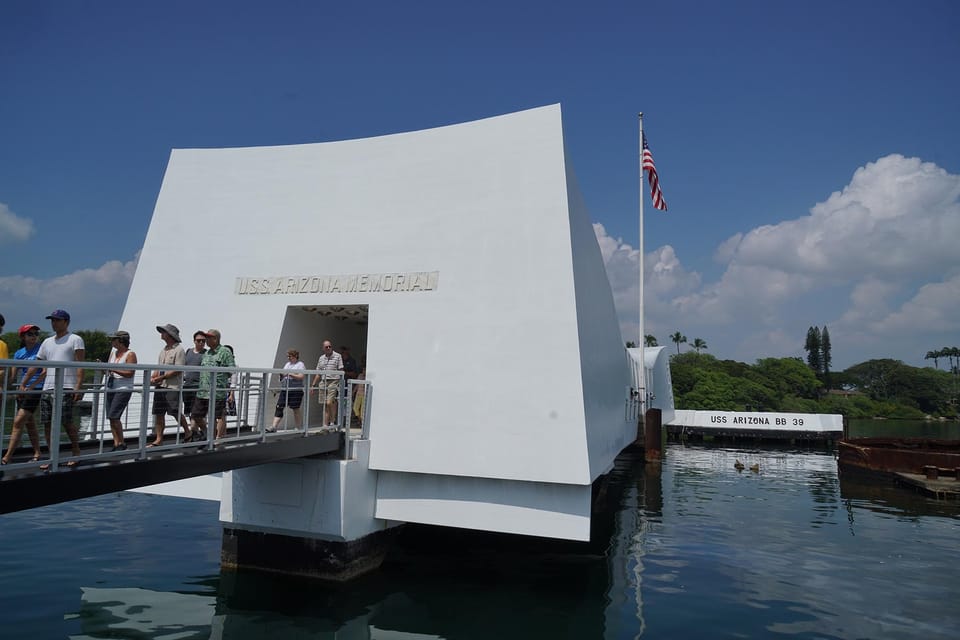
point(176, 393)
point(291, 383)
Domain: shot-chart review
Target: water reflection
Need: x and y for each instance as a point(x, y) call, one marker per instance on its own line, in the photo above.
point(881, 495)
point(690, 548)
point(134, 612)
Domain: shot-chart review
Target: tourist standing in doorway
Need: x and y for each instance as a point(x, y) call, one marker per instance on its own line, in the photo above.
point(350, 367)
point(167, 384)
point(191, 381)
point(28, 402)
point(216, 356)
point(119, 385)
point(62, 346)
point(291, 389)
point(329, 360)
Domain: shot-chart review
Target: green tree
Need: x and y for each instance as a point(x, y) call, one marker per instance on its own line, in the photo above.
point(96, 345)
point(650, 341)
point(826, 358)
point(13, 341)
point(813, 349)
point(699, 343)
point(789, 377)
point(714, 389)
point(678, 338)
point(935, 356)
point(951, 354)
point(875, 377)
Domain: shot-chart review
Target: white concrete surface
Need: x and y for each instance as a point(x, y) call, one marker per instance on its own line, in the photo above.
point(461, 260)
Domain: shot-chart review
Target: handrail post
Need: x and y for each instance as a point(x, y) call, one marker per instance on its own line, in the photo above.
point(306, 403)
point(365, 425)
point(211, 410)
point(261, 407)
point(3, 411)
point(53, 443)
point(144, 416)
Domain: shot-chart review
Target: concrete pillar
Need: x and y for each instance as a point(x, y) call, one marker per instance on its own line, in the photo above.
point(652, 436)
point(310, 516)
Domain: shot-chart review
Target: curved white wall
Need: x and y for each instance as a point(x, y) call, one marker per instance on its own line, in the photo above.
point(508, 365)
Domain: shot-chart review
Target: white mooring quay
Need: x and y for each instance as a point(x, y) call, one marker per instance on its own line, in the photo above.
point(463, 263)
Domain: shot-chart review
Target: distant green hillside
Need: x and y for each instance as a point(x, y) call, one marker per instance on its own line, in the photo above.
point(887, 388)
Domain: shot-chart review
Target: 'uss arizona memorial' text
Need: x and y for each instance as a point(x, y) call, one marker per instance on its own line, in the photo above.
point(351, 283)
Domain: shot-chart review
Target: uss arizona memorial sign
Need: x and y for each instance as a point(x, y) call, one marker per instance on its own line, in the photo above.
point(349, 283)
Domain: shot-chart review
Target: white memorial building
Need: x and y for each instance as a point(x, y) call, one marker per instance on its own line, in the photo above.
point(462, 262)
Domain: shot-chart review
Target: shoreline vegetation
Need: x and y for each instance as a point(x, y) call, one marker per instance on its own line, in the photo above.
point(880, 388)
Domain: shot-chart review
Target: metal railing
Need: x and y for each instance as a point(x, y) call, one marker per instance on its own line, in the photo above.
point(249, 418)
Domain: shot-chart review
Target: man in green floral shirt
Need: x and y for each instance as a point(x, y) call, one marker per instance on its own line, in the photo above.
point(216, 356)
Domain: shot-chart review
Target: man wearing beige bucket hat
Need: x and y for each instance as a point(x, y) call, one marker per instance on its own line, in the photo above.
point(166, 398)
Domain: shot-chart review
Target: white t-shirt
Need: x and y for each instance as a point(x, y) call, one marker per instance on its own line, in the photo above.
point(62, 350)
point(289, 382)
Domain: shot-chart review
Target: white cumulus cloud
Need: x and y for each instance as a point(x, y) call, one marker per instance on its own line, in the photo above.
point(93, 297)
point(876, 262)
point(897, 217)
point(13, 228)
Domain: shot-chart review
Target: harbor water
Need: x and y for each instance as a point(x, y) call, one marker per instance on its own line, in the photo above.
point(694, 548)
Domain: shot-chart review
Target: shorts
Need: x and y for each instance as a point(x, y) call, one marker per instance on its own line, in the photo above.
point(165, 401)
point(202, 405)
point(189, 395)
point(330, 389)
point(117, 403)
point(292, 398)
point(28, 402)
point(66, 411)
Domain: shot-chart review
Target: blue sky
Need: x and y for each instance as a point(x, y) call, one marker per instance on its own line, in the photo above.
point(809, 152)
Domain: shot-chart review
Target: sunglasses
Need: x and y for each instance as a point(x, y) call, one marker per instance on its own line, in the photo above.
point(32, 333)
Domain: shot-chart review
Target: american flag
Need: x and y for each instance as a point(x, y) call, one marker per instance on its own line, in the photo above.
point(647, 164)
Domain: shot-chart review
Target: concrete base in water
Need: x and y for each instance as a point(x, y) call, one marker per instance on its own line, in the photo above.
point(309, 557)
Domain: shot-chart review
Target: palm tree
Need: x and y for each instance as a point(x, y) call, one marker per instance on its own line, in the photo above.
point(677, 338)
point(935, 356)
point(699, 343)
point(650, 341)
point(951, 353)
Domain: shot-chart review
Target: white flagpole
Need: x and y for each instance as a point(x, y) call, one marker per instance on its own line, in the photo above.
point(642, 380)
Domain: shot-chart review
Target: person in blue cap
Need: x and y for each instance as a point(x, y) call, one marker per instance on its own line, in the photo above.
point(62, 346)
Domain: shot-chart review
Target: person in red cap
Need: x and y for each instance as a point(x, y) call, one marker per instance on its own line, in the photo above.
point(28, 401)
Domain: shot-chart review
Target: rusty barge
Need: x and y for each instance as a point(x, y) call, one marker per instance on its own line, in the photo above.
point(927, 465)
